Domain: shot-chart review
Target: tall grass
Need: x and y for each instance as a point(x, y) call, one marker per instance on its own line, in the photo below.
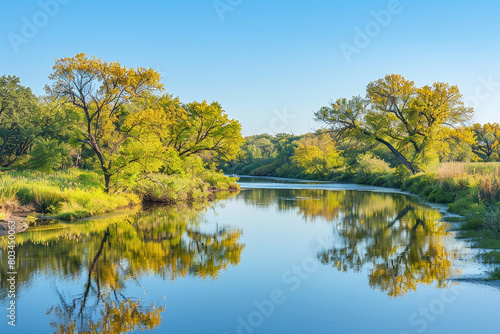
point(482, 177)
point(67, 194)
point(74, 193)
point(468, 169)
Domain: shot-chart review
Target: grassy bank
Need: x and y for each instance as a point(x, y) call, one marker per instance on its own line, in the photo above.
point(73, 193)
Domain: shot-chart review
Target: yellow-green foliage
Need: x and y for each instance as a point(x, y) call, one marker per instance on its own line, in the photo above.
point(370, 164)
point(172, 189)
point(219, 181)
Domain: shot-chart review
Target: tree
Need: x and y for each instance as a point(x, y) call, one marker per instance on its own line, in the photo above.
point(17, 106)
point(205, 128)
point(48, 154)
point(410, 121)
point(456, 144)
point(487, 139)
point(26, 119)
point(317, 155)
point(100, 92)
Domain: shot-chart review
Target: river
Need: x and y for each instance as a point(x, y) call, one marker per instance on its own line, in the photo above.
point(278, 257)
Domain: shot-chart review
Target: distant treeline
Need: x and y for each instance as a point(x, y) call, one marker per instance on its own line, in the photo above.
point(322, 156)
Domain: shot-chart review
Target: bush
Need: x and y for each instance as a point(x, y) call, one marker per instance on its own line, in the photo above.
point(171, 189)
point(248, 169)
point(473, 224)
point(266, 170)
point(386, 180)
point(489, 189)
point(449, 185)
point(46, 199)
point(219, 181)
point(461, 206)
point(439, 195)
point(48, 155)
point(369, 164)
point(492, 219)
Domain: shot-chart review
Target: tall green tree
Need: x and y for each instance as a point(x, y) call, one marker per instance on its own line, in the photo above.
point(317, 156)
point(487, 140)
point(410, 121)
point(17, 105)
point(206, 127)
point(101, 92)
point(25, 120)
point(194, 130)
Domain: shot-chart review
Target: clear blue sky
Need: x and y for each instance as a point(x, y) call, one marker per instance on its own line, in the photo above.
point(261, 59)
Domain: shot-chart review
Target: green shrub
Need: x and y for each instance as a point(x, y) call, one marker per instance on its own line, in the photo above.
point(439, 195)
point(248, 169)
point(454, 219)
point(386, 180)
point(473, 224)
point(171, 189)
point(369, 164)
point(449, 185)
point(266, 170)
point(48, 155)
point(427, 191)
point(45, 199)
point(461, 205)
point(492, 219)
point(219, 181)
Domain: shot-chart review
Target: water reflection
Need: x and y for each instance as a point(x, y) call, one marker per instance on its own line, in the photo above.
point(398, 241)
point(105, 256)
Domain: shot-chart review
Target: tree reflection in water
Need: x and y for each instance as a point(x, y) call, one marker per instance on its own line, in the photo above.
point(400, 242)
point(111, 253)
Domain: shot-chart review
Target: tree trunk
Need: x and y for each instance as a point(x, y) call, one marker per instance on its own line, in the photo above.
point(398, 155)
point(92, 269)
point(107, 182)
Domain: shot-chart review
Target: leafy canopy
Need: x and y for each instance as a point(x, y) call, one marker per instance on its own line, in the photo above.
point(413, 122)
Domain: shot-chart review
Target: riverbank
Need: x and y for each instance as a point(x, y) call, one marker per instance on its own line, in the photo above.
point(28, 196)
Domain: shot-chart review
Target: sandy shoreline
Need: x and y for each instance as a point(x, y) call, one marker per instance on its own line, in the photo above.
point(19, 215)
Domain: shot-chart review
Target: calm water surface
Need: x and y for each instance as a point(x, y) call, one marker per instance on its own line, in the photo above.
point(274, 258)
